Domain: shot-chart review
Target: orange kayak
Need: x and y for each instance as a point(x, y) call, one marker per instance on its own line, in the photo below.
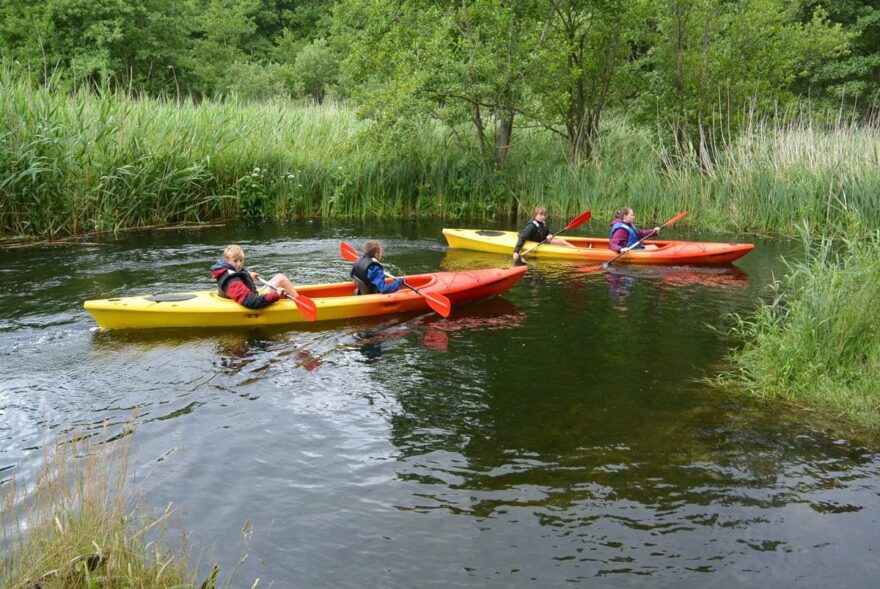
point(334, 301)
point(594, 249)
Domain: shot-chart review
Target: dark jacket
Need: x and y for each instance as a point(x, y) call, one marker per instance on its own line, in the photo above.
point(536, 231)
point(239, 286)
point(369, 277)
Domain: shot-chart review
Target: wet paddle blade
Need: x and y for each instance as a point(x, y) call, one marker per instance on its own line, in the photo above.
point(306, 306)
point(441, 305)
point(348, 252)
point(578, 221)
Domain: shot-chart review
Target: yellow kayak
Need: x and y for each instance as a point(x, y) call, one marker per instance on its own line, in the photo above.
point(595, 249)
point(333, 301)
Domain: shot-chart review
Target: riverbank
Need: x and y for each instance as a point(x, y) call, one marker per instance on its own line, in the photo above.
point(85, 163)
point(815, 341)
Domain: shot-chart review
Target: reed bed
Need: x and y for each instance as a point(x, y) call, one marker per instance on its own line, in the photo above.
point(103, 162)
point(76, 526)
point(816, 341)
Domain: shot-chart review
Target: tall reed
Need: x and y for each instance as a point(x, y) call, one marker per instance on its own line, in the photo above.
point(74, 164)
point(77, 527)
point(817, 340)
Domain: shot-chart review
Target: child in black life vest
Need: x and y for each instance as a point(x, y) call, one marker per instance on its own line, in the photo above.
point(235, 282)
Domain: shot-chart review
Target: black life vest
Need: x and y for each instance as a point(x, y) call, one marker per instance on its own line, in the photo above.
point(229, 276)
point(359, 275)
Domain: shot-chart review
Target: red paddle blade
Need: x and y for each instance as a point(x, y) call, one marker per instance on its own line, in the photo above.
point(348, 252)
point(579, 220)
point(306, 306)
point(441, 305)
point(592, 268)
point(675, 218)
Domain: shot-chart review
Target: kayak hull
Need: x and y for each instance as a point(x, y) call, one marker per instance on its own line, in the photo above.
point(334, 301)
point(594, 249)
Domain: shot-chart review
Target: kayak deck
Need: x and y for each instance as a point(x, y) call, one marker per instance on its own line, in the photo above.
point(334, 301)
point(595, 249)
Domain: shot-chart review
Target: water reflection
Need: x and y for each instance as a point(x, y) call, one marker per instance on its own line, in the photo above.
point(433, 331)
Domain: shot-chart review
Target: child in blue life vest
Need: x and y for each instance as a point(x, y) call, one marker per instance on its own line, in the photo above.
point(235, 282)
point(624, 234)
point(537, 230)
point(368, 274)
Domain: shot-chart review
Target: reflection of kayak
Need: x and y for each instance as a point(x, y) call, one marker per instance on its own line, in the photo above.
point(594, 249)
point(728, 277)
point(719, 277)
point(333, 301)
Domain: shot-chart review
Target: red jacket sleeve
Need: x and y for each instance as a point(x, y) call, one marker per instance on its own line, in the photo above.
point(241, 294)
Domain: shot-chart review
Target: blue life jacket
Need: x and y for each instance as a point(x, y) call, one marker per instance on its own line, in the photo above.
point(631, 239)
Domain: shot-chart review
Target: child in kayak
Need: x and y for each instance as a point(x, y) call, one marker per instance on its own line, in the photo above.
point(235, 282)
point(624, 234)
point(368, 274)
point(537, 231)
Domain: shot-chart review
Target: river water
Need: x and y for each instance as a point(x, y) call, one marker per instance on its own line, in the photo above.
point(558, 434)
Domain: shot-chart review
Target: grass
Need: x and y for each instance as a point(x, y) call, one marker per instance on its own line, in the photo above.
point(76, 527)
point(90, 162)
point(816, 341)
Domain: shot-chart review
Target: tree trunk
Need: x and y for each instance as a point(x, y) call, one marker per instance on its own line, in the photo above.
point(505, 132)
point(480, 128)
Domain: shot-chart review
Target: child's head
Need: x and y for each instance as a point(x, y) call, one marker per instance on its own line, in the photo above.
point(234, 255)
point(373, 249)
point(540, 211)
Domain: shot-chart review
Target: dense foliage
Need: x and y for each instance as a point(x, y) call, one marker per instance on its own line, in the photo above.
point(483, 68)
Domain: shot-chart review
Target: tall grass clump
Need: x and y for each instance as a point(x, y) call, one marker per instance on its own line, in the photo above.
point(797, 169)
point(817, 340)
point(75, 526)
point(103, 161)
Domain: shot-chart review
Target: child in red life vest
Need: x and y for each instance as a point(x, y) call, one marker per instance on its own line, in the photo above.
point(235, 282)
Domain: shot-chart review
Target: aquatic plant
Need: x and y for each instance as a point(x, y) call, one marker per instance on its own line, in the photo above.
point(816, 340)
point(76, 526)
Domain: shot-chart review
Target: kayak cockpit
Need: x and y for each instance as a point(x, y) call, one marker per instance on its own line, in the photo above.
point(598, 243)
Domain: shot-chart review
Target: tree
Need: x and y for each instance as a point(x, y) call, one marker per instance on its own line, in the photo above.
point(316, 69)
point(583, 52)
point(455, 62)
point(127, 42)
point(710, 58)
point(220, 32)
point(855, 77)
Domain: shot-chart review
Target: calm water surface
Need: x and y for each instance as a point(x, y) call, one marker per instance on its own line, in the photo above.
point(559, 434)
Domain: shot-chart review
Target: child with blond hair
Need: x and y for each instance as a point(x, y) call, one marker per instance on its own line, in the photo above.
point(236, 282)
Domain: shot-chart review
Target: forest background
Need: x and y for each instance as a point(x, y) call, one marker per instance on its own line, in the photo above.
point(126, 113)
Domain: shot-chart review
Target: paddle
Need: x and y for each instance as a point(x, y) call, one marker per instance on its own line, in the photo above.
point(305, 305)
point(576, 222)
point(607, 264)
point(436, 301)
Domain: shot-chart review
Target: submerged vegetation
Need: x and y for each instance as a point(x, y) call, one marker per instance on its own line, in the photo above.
point(817, 341)
point(99, 162)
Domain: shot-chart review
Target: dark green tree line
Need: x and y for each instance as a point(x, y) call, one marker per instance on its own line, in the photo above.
point(480, 68)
